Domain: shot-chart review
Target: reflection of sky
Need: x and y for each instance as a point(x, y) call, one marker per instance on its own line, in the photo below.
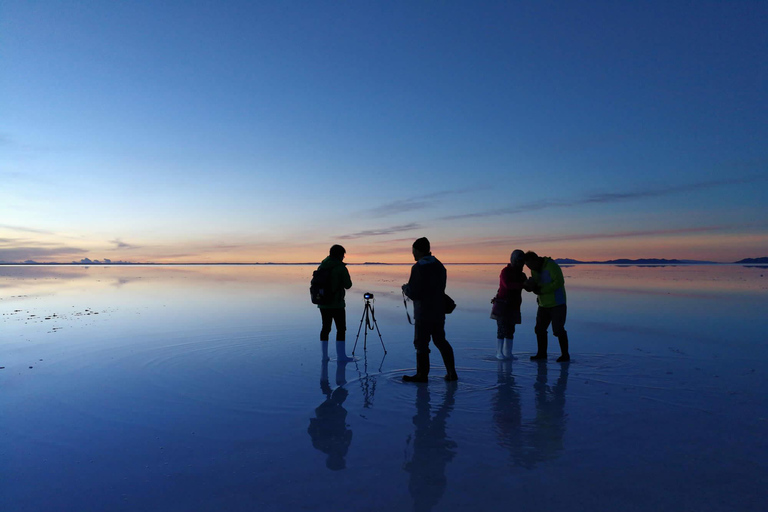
point(194, 382)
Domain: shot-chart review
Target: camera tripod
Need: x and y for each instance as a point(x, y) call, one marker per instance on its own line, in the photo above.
point(368, 315)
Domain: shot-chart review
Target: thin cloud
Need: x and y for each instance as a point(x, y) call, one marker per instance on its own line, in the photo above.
point(119, 244)
point(18, 254)
point(416, 203)
point(26, 230)
point(380, 232)
point(602, 236)
point(604, 198)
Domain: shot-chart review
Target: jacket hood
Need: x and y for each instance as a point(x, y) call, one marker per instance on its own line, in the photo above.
point(331, 262)
point(426, 260)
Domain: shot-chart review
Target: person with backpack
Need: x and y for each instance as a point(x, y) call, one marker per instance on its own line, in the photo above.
point(329, 283)
point(426, 288)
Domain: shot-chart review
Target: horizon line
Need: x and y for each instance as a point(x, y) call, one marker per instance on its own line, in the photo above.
point(562, 261)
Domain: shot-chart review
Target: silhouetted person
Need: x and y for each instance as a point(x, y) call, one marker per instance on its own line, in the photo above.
point(334, 311)
point(506, 304)
point(426, 287)
point(328, 429)
point(548, 284)
point(432, 450)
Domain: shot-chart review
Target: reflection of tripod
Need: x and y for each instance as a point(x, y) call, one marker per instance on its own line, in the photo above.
point(368, 315)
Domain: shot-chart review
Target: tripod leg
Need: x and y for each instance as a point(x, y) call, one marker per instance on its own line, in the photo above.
point(358, 332)
point(367, 323)
point(376, 324)
point(377, 330)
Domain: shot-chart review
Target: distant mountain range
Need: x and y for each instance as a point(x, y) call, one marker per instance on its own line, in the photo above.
point(752, 261)
point(657, 261)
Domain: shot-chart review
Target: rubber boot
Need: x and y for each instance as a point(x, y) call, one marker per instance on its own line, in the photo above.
point(566, 356)
point(499, 347)
point(541, 342)
point(449, 362)
point(422, 369)
point(506, 350)
point(324, 350)
point(341, 355)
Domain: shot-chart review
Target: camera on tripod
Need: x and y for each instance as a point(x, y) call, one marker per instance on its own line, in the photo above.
point(369, 319)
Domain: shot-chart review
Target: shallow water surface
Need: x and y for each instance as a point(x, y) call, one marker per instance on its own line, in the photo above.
point(202, 388)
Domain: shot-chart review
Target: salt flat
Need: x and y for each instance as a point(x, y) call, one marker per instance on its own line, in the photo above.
point(202, 388)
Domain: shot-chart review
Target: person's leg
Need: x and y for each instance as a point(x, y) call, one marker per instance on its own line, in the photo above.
point(325, 330)
point(509, 336)
point(500, 330)
point(446, 350)
point(421, 344)
point(340, 319)
point(559, 314)
point(327, 318)
point(543, 319)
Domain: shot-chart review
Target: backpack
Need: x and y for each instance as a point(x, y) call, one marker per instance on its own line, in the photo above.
point(320, 287)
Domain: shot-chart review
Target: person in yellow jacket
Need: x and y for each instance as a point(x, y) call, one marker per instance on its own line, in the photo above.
point(548, 284)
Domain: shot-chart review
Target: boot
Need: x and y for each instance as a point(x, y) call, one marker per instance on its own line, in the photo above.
point(324, 350)
point(499, 346)
point(541, 342)
point(422, 369)
point(506, 351)
point(449, 362)
point(341, 355)
point(566, 356)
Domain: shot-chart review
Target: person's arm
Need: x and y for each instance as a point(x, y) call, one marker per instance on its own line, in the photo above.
point(516, 281)
point(346, 281)
point(558, 281)
point(413, 288)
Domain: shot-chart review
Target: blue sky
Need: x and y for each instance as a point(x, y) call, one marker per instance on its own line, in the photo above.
point(250, 131)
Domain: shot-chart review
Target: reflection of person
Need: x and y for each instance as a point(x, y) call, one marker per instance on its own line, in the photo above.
point(432, 450)
point(548, 284)
point(328, 429)
point(506, 304)
point(334, 312)
point(507, 412)
point(530, 442)
point(426, 287)
point(546, 436)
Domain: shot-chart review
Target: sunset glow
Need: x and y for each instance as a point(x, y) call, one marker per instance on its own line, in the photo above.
point(260, 132)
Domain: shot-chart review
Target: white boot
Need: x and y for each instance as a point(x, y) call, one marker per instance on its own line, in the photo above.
point(324, 350)
point(499, 345)
point(507, 349)
point(341, 355)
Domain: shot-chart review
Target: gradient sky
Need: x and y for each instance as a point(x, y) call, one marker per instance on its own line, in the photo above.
point(268, 131)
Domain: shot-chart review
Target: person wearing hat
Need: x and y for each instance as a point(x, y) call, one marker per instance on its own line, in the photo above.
point(426, 288)
point(506, 304)
point(548, 283)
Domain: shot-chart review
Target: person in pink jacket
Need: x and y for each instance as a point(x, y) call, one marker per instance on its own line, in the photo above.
point(506, 304)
